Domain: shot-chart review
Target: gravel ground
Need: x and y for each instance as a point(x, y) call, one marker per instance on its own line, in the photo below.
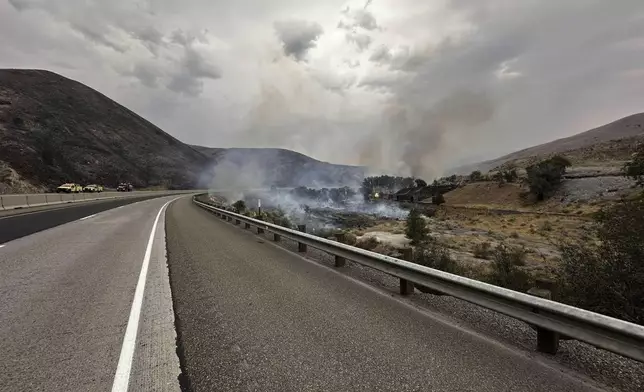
point(620, 373)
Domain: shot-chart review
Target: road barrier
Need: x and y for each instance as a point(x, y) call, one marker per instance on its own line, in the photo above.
point(550, 319)
point(15, 201)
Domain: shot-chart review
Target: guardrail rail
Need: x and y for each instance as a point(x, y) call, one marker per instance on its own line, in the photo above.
point(17, 201)
point(551, 319)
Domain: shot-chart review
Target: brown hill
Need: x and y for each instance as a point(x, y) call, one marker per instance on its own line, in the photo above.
point(266, 166)
point(608, 145)
point(54, 130)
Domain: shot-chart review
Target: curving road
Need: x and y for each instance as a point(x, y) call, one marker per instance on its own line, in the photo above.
point(249, 317)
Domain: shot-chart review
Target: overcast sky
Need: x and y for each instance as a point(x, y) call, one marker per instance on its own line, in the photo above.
point(405, 85)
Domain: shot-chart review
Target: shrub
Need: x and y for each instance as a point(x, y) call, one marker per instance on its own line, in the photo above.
point(239, 206)
point(350, 239)
point(278, 217)
point(482, 250)
point(416, 230)
point(433, 255)
point(635, 167)
point(476, 176)
point(506, 271)
point(510, 175)
point(438, 199)
point(545, 177)
point(368, 243)
point(608, 277)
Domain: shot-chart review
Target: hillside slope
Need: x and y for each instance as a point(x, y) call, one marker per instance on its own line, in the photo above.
point(279, 167)
point(54, 130)
point(609, 145)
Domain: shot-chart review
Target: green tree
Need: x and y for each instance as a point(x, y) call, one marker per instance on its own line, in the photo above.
point(416, 230)
point(635, 167)
point(420, 183)
point(545, 177)
point(239, 206)
point(608, 276)
point(510, 175)
point(476, 176)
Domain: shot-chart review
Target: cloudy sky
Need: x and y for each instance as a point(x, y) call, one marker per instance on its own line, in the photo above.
point(409, 86)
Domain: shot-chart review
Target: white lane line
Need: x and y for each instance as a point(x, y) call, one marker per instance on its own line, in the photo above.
point(87, 217)
point(2, 246)
point(122, 376)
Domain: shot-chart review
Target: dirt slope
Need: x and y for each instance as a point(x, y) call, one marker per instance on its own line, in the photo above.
point(610, 145)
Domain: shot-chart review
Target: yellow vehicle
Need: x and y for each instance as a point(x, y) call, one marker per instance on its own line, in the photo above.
point(93, 188)
point(69, 187)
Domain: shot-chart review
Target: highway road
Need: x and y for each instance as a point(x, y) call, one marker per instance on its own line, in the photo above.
point(254, 317)
point(66, 298)
point(90, 305)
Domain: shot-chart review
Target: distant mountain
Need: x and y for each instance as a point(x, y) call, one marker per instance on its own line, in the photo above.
point(54, 130)
point(607, 145)
point(279, 167)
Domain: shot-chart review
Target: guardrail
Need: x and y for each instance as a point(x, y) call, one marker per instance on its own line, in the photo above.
point(551, 319)
point(9, 202)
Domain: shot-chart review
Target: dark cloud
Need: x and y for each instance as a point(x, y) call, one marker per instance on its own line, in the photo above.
point(362, 41)
point(381, 55)
point(298, 36)
point(147, 74)
point(360, 18)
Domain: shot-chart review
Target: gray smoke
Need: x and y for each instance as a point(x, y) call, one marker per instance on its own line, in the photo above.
point(416, 140)
point(298, 36)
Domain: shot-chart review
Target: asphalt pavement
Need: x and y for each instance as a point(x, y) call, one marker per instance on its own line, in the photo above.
point(253, 317)
point(19, 223)
point(66, 297)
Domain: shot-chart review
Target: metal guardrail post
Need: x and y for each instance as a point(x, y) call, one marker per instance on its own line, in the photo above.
point(27, 200)
point(339, 260)
point(407, 287)
point(276, 237)
point(246, 225)
point(301, 247)
point(547, 340)
point(237, 221)
point(46, 201)
point(1, 202)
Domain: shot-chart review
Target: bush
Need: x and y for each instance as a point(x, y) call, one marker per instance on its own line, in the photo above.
point(416, 230)
point(510, 175)
point(545, 177)
point(368, 243)
point(635, 167)
point(438, 199)
point(483, 250)
point(350, 239)
point(608, 277)
point(476, 176)
point(506, 271)
point(436, 256)
point(239, 206)
point(278, 217)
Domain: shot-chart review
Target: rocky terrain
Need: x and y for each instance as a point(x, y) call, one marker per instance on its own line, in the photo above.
point(607, 146)
point(55, 130)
